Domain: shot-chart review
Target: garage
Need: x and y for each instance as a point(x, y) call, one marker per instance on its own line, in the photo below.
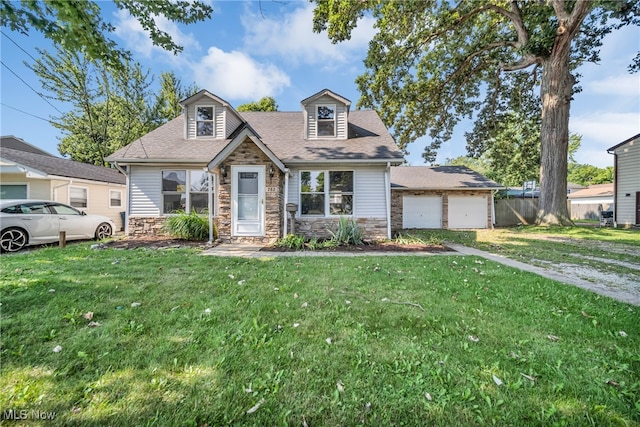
point(421, 211)
point(468, 212)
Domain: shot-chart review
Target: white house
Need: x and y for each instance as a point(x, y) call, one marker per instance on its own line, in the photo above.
point(626, 182)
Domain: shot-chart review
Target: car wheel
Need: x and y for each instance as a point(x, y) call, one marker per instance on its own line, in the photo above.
point(13, 239)
point(103, 231)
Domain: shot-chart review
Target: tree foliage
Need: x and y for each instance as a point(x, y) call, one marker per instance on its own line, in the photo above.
point(110, 106)
point(78, 26)
point(167, 101)
point(433, 63)
point(589, 175)
point(266, 103)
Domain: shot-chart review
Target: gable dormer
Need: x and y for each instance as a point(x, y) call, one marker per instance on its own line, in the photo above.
point(326, 116)
point(209, 117)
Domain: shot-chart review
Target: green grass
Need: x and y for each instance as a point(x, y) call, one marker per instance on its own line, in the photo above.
point(413, 341)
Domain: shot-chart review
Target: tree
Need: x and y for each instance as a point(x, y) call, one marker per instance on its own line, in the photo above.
point(78, 26)
point(433, 63)
point(167, 103)
point(110, 107)
point(589, 175)
point(266, 103)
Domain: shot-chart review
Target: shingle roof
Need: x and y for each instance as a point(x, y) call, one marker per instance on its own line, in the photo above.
point(52, 165)
point(16, 143)
point(438, 177)
point(596, 190)
point(282, 132)
point(626, 141)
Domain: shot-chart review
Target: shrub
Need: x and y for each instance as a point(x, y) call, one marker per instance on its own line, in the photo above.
point(189, 226)
point(291, 241)
point(347, 233)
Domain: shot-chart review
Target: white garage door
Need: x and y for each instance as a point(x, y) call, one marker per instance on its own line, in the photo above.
point(421, 212)
point(467, 212)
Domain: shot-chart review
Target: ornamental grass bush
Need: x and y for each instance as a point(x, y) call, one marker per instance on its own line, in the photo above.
point(189, 226)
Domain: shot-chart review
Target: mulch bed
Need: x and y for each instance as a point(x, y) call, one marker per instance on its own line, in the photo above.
point(170, 243)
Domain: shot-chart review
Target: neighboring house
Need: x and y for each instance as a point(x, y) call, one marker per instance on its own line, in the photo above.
point(441, 197)
point(589, 202)
point(247, 168)
point(26, 172)
point(626, 182)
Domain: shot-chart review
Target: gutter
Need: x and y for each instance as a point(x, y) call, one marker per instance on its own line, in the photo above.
point(387, 194)
point(615, 187)
point(127, 211)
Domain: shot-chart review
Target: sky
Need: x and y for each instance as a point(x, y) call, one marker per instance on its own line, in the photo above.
point(267, 48)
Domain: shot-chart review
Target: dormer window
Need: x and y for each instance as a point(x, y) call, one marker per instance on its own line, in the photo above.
point(326, 120)
point(205, 120)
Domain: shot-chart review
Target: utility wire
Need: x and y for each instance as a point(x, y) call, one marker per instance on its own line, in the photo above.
point(29, 86)
point(19, 47)
point(24, 112)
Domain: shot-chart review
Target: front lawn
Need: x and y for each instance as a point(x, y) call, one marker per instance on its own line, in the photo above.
point(183, 339)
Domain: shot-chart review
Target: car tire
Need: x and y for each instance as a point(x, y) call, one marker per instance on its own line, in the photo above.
point(13, 239)
point(103, 231)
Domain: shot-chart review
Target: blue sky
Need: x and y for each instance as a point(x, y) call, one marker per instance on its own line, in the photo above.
point(255, 49)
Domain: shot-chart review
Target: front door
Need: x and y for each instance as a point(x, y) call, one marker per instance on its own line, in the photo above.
point(247, 206)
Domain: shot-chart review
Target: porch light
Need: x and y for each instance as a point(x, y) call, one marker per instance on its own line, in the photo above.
point(271, 171)
point(223, 170)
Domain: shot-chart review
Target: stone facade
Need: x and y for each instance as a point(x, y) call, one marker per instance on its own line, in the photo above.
point(248, 154)
point(146, 226)
point(396, 204)
point(373, 228)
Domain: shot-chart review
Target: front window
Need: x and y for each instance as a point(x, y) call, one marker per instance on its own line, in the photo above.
point(115, 198)
point(78, 197)
point(175, 195)
point(319, 196)
point(13, 191)
point(326, 120)
point(205, 121)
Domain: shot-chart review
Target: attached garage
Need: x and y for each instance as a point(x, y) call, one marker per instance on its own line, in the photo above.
point(421, 211)
point(468, 212)
point(448, 197)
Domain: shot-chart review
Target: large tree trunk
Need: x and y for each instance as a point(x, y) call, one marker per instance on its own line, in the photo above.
point(557, 85)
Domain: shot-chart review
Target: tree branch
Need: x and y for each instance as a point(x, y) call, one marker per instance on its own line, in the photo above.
point(524, 62)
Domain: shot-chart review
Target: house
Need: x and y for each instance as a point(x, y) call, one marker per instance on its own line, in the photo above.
point(626, 181)
point(453, 197)
point(246, 169)
point(590, 201)
point(26, 172)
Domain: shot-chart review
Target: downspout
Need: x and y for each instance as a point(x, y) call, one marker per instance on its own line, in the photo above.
point(387, 193)
point(54, 190)
point(493, 209)
point(127, 211)
point(615, 188)
point(286, 200)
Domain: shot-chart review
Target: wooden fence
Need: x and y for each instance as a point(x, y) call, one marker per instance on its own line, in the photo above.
point(517, 211)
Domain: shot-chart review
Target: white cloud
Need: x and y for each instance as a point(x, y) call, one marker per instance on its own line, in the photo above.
point(137, 39)
point(291, 37)
point(236, 75)
point(620, 85)
point(600, 131)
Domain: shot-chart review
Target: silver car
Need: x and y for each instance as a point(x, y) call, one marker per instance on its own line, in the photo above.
point(34, 222)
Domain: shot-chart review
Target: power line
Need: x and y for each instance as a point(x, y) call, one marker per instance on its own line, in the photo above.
point(19, 47)
point(29, 86)
point(24, 112)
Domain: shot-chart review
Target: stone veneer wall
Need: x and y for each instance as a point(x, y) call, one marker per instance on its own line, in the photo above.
point(373, 228)
point(396, 204)
point(146, 226)
point(248, 154)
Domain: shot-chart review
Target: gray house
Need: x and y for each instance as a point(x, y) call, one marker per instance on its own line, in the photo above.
point(626, 182)
point(324, 161)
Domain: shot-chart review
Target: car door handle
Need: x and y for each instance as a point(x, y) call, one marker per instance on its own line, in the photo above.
point(64, 218)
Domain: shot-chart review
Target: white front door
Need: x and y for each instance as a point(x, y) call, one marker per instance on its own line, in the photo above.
point(247, 204)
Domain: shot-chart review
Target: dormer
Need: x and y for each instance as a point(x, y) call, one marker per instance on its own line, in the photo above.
point(326, 116)
point(209, 117)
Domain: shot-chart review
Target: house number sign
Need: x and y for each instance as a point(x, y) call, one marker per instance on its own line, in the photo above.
point(272, 189)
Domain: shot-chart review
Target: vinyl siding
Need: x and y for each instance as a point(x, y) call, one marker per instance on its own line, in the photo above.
point(232, 122)
point(628, 175)
point(145, 191)
point(340, 113)
point(368, 193)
